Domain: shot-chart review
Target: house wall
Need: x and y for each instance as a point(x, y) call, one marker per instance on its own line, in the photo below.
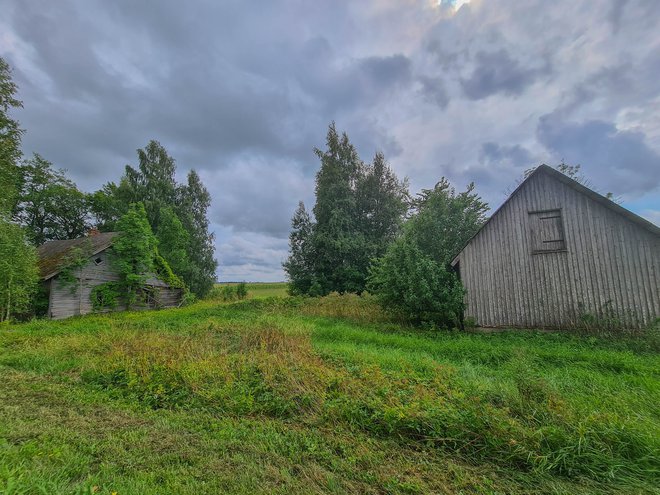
point(608, 261)
point(66, 301)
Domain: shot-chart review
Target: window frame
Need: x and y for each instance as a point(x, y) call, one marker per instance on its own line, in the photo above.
point(562, 231)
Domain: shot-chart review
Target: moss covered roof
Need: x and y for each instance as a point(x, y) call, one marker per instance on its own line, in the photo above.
point(53, 253)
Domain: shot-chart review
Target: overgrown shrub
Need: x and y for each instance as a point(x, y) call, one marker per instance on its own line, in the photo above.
point(241, 290)
point(105, 296)
point(410, 283)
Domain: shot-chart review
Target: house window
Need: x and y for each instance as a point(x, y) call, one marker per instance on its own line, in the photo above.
point(547, 231)
point(98, 261)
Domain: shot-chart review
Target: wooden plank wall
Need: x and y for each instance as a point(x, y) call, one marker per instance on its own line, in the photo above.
point(609, 261)
point(64, 302)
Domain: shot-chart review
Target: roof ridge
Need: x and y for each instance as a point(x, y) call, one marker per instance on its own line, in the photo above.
point(556, 174)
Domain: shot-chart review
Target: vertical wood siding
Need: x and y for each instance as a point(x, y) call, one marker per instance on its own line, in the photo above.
point(609, 262)
point(65, 301)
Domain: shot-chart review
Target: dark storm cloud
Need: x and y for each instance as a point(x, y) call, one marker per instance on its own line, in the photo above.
point(497, 72)
point(606, 153)
point(244, 92)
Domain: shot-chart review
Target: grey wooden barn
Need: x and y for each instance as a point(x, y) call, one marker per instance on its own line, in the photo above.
point(556, 252)
point(65, 299)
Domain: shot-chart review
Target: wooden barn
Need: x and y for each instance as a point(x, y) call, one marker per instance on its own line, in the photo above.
point(556, 254)
point(68, 299)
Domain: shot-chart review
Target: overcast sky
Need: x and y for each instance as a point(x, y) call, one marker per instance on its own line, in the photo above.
point(243, 91)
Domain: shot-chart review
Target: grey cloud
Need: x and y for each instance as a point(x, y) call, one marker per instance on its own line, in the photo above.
point(497, 72)
point(495, 154)
point(243, 93)
point(434, 91)
point(606, 153)
point(624, 14)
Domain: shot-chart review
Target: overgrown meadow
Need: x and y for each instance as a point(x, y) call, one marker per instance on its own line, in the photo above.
point(287, 395)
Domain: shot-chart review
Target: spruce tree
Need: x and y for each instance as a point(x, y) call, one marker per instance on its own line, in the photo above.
point(337, 241)
point(299, 266)
point(382, 202)
point(358, 211)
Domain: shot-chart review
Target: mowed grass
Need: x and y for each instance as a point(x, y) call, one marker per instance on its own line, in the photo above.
point(285, 395)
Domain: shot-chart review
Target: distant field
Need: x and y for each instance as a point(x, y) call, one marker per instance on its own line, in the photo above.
point(262, 289)
point(296, 396)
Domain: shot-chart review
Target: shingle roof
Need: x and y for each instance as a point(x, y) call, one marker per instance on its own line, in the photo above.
point(52, 254)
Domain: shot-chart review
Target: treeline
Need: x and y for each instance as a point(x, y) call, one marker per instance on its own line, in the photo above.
point(368, 234)
point(39, 203)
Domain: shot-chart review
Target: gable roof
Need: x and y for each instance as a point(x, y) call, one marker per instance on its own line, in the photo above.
point(599, 198)
point(53, 253)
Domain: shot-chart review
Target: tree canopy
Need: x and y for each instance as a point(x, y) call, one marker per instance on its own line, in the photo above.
point(177, 213)
point(50, 206)
point(414, 278)
point(18, 271)
point(10, 139)
point(359, 209)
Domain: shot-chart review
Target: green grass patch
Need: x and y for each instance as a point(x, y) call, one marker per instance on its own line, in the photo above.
point(289, 395)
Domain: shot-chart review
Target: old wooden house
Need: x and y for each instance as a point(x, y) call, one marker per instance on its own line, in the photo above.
point(72, 295)
point(556, 254)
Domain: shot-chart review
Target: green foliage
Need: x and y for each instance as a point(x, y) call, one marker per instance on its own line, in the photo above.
point(177, 214)
point(165, 272)
point(413, 278)
point(195, 201)
point(445, 220)
point(358, 211)
point(153, 183)
point(299, 266)
point(173, 240)
point(107, 205)
point(106, 296)
point(72, 263)
point(241, 290)
point(133, 252)
point(224, 293)
point(409, 282)
point(10, 140)
point(19, 276)
point(50, 206)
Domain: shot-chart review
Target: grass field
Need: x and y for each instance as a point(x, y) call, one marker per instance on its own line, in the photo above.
point(283, 395)
point(263, 289)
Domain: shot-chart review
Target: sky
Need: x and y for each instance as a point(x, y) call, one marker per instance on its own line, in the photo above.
point(243, 92)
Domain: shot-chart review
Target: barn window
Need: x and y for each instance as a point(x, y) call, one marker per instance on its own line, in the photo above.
point(98, 261)
point(547, 231)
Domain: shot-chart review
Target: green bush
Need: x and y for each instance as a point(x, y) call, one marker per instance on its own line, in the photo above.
point(408, 282)
point(241, 291)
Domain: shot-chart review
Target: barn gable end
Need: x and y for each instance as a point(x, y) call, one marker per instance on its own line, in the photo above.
point(556, 251)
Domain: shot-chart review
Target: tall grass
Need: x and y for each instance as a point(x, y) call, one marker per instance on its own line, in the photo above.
point(548, 406)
